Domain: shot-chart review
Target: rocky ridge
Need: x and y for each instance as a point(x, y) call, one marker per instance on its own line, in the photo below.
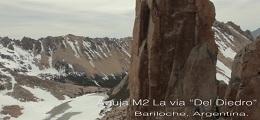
point(59, 73)
point(75, 59)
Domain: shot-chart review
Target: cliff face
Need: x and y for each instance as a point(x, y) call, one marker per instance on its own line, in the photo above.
point(244, 82)
point(173, 54)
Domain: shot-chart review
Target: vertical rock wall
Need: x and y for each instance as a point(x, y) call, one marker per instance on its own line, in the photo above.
point(245, 81)
point(173, 54)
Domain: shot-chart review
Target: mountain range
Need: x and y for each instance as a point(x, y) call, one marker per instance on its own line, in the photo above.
point(67, 74)
point(58, 71)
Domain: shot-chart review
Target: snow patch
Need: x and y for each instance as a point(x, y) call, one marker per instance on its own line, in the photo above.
point(91, 62)
point(124, 50)
point(64, 43)
point(222, 77)
point(42, 47)
point(223, 72)
point(89, 106)
point(102, 51)
point(225, 50)
point(72, 46)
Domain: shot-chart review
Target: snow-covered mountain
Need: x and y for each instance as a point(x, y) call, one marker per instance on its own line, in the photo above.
point(59, 77)
point(230, 40)
point(67, 57)
point(64, 78)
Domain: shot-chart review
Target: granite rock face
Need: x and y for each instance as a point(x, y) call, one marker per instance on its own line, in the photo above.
point(245, 79)
point(173, 54)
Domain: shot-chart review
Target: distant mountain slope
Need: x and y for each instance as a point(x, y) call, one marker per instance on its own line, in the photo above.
point(256, 33)
point(59, 77)
point(230, 40)
point(67, 58)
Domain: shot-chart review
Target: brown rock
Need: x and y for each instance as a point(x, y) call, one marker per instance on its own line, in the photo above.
point(244, 84)
point(59, 90)
point(222, 87)
point(13, 111)
point(173, 54)
point(2, 87)
point(121, 91)
point(22, 94)
point(247, 33)
point(117, 113)
point(7, 118)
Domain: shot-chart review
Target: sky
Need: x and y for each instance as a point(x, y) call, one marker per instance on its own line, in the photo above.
point(98, 18)
point(243, 12)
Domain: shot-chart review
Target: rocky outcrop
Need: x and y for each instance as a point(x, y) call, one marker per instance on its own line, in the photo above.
point(244, 84)
point(59, 90)
point(117, 94)
point(12, 110)
point(117, 113)
point(121, 91)
point(173, 55)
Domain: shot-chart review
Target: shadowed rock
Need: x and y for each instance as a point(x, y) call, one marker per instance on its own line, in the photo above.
point(68, 115)
point(245, 81)
point(121, 91)
point(60, 109)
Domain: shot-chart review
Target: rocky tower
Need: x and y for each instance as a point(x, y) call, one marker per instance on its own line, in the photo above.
point(173, 55)
point(244, 84)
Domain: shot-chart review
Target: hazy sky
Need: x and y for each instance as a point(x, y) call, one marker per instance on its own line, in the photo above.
point(243, 12)
point(97, 18)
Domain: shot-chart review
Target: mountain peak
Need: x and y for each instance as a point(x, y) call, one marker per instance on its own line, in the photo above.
point(256, 33)
point(246, 33)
